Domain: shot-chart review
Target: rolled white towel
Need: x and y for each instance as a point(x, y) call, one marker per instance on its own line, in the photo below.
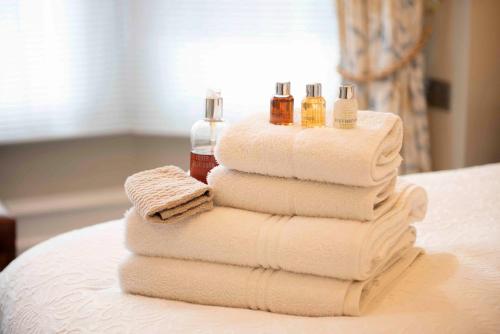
point(291, 196)
point(364, 156)
point(330, 247)
point(258, 289)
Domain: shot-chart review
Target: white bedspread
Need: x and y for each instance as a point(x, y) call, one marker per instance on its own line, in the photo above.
point(69, 283)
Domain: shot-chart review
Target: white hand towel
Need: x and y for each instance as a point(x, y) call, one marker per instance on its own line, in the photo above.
point(257, 289)
point(290, 196)
point(330, 247)
point(364, 156)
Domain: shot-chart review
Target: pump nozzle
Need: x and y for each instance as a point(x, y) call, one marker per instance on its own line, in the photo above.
point(213, 105)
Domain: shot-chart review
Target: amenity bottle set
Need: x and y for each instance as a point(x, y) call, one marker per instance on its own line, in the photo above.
point(204, 133)
point(313, 113)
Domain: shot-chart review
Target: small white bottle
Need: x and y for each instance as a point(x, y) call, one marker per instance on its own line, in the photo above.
point(345, 109)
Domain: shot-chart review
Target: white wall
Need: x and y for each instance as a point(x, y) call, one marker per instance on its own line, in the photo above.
point(483, 117)
point(464, 50)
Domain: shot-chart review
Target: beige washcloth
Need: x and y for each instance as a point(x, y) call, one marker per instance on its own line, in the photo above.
point(276, 291)
point(167, 194)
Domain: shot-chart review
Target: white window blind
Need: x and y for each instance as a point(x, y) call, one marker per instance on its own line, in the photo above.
point(83, 67)
point(60, 69)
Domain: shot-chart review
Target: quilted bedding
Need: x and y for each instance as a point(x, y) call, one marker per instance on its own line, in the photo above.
point(69, 284)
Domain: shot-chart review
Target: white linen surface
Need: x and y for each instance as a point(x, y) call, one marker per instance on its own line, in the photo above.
point(290, 196)
point(320, 246)
point(70, 283)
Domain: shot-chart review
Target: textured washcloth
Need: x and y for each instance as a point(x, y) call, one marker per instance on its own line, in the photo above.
point(167, 194)
point(271, 290)
point(364, 156)
point(290, 196)
point(330, 247)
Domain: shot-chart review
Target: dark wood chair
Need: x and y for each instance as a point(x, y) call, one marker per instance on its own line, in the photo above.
point(7, 238)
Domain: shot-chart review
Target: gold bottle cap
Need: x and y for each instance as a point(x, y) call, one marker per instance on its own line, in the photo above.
point(346, 92)
point(313, 90)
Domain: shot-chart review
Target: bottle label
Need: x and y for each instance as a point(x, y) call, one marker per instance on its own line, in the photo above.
point(345, 123)
point(345, 115)
point(200, 165)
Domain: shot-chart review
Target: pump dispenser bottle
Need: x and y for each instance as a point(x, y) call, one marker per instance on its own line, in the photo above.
point(313, 107)
point(204, 134)
point(282, 105)
point(345, 109)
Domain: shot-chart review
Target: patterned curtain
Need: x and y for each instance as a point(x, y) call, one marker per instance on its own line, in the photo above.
point(383, 36)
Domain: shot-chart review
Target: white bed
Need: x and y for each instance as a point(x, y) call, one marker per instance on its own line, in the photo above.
point(69, 283)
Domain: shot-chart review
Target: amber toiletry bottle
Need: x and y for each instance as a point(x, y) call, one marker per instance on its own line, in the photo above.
point(313, 107)
point(282, 105)
point(345, 110)
point(204, 134)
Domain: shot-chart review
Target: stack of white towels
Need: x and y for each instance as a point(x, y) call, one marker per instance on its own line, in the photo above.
point(310, 222)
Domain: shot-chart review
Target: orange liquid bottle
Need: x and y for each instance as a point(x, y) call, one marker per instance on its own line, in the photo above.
point(281, 112)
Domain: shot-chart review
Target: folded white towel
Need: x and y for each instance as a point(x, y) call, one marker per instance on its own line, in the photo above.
point(257, 289)
point(320, 246)
point(364, 156)
point(290, 196)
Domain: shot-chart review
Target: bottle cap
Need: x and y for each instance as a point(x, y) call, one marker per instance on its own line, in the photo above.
point(346, 92)
point(213, 105)
point(313, 90)
point(283, 88)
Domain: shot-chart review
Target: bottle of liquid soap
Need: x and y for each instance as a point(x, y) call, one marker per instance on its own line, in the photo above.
point(204, 134)
point(282, 105)
point(313, 107)
point(345, 109)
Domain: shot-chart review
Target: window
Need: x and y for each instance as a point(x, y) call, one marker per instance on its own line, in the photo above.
point(86, 67)
point(60, 69)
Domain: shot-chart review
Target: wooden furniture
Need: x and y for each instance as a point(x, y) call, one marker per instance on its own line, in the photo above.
point(7, 238)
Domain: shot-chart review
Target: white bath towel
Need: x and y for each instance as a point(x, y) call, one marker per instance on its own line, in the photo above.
point(258, 289)
point(320, 246)
point(290, 196)
point(364, 156)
